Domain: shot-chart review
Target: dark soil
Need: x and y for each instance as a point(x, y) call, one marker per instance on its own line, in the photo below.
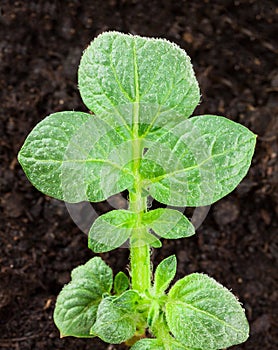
point(232, 45)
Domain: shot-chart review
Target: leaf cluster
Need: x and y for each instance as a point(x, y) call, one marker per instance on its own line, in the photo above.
point(142, 92)
point(139, 138)
point(197, 313)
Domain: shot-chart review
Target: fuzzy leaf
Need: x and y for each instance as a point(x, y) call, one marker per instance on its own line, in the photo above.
point(118, 70)
point(203, 314)
point(114, 228)
point(77, 304)
point(116, 318)
point(111, 230)
point(146, 237)
point(152, 240)
point(164, 274)
point(148, 344)
point(199, 161)
point(121, 283)
point(156, 344)
point(129, 300)
point(168, 223)
point(75, 156)
point(153, 314)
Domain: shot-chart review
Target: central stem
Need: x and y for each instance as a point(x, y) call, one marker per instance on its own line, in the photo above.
point(139, 248)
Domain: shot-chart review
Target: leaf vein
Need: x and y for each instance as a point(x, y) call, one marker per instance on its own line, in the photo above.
point(208, 315)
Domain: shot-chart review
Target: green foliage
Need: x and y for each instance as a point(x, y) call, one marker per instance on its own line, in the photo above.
point(117, 70)
point(77, 304)
point(154, 344)
point(148, 344)
point(43, 154)
point(111, 230)
point(164, 274)
point(153, 314)
point(138, 138)
point(198, 161)
point(168, 223)
point(114, 228)
point(73, 156)
point(121, 283)
point(214, 316)
point(193, 162)
point(117, 318)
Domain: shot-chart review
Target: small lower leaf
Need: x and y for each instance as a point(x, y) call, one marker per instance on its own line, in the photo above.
point(117, 318)
point(148, 344)
point(164, 274)
point(157, 344)
point(163, 340)
point(203, 314)
point(77, 304)
point(153, 314)
point(111, 230)
point(168, 223)
point(121, 283)
point(129, 300)
point(152, 240)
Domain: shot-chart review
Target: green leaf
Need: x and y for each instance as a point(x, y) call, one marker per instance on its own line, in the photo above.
point(111, 230)
point(121, 283)
point(168, 223)
point(152, 240)
point(203, 314)
point(117, 318)
point(153, 314)
point(129, 300)
point(164, 274)
point(77, 304)
point(146, 237)
point(118, 70)
point(157, 344)
point(114, 228)
point(148, 344)
point(164, 340)
point(199, 161)
point(75, 156)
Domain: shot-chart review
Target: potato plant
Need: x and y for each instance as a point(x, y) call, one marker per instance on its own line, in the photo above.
point(138, 137)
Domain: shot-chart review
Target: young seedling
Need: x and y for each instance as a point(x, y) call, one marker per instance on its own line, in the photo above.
point(138, 138)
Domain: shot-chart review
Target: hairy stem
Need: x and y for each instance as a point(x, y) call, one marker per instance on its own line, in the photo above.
point(139, 249)
point(161, 331)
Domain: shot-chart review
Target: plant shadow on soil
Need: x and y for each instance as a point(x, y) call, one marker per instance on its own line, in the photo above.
point(232, 46)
